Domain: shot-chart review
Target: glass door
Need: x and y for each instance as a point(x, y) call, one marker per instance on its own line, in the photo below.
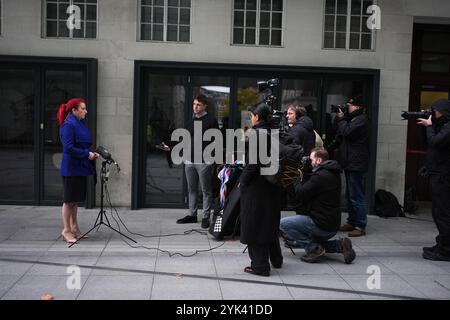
point(165, 109)
point(217, 92)
point(17, 134)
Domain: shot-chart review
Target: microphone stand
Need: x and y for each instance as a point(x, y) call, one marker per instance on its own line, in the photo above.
point(101, 217)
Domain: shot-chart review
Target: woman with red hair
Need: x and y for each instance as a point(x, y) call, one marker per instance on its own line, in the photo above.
point(77, 163)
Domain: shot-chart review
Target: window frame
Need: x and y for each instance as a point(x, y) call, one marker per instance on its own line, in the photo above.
point(70, 37)
point(348, 28)
point(258, 26)
point(165, 24)
point(1, 18)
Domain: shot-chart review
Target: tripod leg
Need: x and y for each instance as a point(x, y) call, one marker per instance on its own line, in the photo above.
point(292, 250)
point(119, 232)
point(95, 226)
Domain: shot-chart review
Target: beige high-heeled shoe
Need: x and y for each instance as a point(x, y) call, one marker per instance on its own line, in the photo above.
point(78, 235)
point(67, 239)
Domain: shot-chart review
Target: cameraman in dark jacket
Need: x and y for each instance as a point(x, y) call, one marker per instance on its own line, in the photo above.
point(353, 131)
point(301, 127)
point(438, 170)
point(313, 230)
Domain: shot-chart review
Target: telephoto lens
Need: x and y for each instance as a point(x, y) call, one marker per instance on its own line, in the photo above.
point(424, 114)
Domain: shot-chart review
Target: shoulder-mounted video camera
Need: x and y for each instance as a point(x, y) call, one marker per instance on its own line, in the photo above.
point(264, 85)
point(278, 117)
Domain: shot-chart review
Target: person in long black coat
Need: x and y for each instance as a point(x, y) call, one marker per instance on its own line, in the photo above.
point(438, 169)
point(260, 209)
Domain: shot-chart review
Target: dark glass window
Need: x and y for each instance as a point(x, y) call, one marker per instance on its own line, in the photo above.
point(435, 55)
point(17, 142)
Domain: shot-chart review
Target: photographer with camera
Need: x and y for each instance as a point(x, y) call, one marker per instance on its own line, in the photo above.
point(438, 169)
point(353, 134)
point(301, 127)
point(313, 229)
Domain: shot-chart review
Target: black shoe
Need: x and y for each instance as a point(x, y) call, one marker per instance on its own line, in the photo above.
point(347, 250)
point(431, 249)
point(205, 223)
point(187, 219)
point(435, 256)
point(277, 265)
point(313, 256)
point(251, 271)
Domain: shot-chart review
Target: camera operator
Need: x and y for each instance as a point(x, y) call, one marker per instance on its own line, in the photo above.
point(438, 169)
point(353, 155)
point(312, 230)
point(301, 127)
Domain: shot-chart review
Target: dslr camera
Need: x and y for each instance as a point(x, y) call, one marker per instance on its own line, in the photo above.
point(335, 108)
point(305, 164)
point(424, 114)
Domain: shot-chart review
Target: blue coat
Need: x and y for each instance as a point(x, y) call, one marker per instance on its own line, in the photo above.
point(76, 140)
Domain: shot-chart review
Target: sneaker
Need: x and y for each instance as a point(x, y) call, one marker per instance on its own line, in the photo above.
point(313, 256)
point(187, 219)
point(205, 223)
point(347, 250)
point(357, 232)
point(435, 256)
point(346, 227)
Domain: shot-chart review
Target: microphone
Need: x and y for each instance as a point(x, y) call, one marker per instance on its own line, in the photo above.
point(106, 155)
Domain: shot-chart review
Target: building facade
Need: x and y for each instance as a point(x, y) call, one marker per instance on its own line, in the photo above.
point(140, 62)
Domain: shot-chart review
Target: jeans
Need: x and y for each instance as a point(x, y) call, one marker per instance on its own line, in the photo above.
point(194, 173)
point(356, 199)
point(308, 236)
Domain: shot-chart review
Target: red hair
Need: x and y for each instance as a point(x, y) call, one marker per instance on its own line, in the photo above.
point(66, 108)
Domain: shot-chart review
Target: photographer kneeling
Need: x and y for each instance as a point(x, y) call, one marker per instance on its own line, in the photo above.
point(321, 192)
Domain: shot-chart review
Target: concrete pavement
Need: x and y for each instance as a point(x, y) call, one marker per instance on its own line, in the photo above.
point(34, 261)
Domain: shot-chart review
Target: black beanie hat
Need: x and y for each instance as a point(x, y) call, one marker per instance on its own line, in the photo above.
point(357, 101)
point(442, 105)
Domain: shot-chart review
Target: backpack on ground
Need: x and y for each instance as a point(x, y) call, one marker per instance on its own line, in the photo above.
point(387, 205)
point(225, 221)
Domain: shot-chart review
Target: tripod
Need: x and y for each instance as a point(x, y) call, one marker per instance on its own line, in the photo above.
point(104, 174)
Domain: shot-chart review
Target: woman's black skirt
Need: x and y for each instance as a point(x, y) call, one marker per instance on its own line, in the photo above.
point(74, 189)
